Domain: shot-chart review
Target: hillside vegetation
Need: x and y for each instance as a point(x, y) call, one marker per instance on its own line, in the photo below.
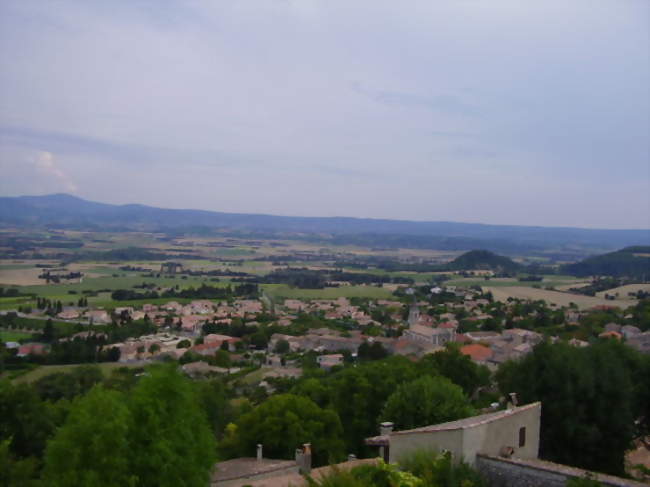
point(633, 262)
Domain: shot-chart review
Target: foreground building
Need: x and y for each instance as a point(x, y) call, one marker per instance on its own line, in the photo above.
point(510, 432)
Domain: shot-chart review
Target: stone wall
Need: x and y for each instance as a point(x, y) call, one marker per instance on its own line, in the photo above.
point(513, 472)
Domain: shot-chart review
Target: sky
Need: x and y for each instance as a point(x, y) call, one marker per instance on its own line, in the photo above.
point(500, 111)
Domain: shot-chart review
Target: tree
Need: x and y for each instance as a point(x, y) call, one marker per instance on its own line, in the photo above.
point(358, 394)
point(48, 331)
point(92, 447)
point(372, 351)
point(25, 419)
point(170, 431)
point(589, 402)
point(424, 401)
point(282, 346)
point(222, 358)
point(456, 367)
point(284, 422)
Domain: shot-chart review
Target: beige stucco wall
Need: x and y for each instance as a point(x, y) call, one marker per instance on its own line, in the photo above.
point(487, 438)
point(402, 445)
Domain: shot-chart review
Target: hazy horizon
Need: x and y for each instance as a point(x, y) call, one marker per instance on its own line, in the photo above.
point(127, 203)
point(503, 113)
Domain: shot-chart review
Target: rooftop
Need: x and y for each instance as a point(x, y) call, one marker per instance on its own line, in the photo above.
point(471, 422)
point(247, 467)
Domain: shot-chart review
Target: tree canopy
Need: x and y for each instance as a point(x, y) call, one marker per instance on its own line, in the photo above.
point(424, 401)
point(285, 422)
point(591, 399)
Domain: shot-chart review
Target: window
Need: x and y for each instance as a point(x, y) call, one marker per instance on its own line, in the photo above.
point(522, 436)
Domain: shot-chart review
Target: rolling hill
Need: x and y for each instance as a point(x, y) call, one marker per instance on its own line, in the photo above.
point(632, 262)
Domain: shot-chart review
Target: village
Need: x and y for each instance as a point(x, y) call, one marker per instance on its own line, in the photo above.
point(412, 328)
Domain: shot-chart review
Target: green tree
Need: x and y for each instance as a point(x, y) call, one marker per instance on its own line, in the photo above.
point(222, 358)
point(24, 419)
point(588, 400)
point(48, 331)
point(424, 401)
point(170, 431)
point(92, 448)
point(16, 473)
point(284, 422)
point(456, 367)
point(282, 346)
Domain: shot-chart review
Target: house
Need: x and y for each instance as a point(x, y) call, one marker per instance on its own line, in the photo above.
point(613, 327)
point(328, 361)
point(641, 342)
point(242, 471)
point(68, 314)
point(192, 323)
point(32, 349)
point(483, 336)
point(629, 331)
point(611, 334)
point(206, 349)
point(513, 432)
point(574, 342)
point(221, 339)
point(478, 353)
point(98, 316)
point(432, 336)
point(518, 336)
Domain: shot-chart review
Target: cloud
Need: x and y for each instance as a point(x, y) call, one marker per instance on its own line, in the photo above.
point(44, 163)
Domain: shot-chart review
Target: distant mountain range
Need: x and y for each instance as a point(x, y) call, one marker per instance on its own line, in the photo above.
point(63, 211)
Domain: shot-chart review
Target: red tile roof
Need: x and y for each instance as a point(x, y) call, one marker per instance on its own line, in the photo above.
point(476, 352)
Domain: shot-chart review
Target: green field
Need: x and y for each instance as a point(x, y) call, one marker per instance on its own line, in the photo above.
point(113, 283)
point(12, 303)
point(511, 281)
point(284, 291)
point(13, 336)
point(43, 370)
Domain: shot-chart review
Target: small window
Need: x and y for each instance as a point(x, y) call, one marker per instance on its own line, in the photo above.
point(522, 436)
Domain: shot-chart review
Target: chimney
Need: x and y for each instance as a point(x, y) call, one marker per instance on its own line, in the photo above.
point(513, 399)
point(304, 459)
point(259, 452)
point(385, 428)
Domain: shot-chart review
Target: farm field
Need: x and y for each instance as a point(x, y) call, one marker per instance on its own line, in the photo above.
point(554, 281)
point(43, 370)
point(502, 293)
point(284, 291)
point(622, 292)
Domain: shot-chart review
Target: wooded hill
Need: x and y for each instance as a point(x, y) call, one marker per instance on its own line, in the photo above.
point(632, 262)
point(483, 260)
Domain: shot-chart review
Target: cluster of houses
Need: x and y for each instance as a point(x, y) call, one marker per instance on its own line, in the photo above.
point(423, 333)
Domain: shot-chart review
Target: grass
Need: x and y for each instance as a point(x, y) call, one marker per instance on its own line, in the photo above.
point(13, 336)
point(113, 283)
point(64, 328)
point(43, 370)
point(12, 303)
point(284, 291)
